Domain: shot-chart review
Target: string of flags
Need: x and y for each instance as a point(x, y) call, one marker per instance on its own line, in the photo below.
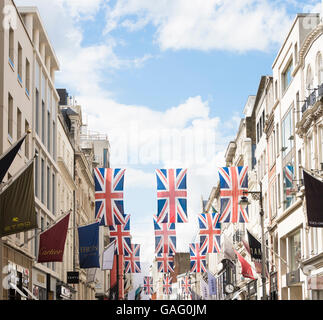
point(171, 209)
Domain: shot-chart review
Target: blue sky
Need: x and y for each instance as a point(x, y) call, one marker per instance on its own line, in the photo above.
point(162, 69)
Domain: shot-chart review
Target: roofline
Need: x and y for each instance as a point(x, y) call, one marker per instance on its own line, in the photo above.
point(298, 15)
point(34, 10)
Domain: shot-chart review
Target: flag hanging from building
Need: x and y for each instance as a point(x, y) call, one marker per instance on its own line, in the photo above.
point(17, 204)
point(89, 256)
point(255, 247)
point(7, 159)
point(132, 259)
point(245, 266)
point(210, 231)
point(167, 285)
point(233, 182)
point(52, 242)
point(108, 256)
point(165, 263)
point(121, 235)
point(148, 285)
point(171, 195)
point(314, 200)
point(204, 289)
point(211, 283)
point(109, 210)
point(165, 237)
point(198, 257)
point(186, 285)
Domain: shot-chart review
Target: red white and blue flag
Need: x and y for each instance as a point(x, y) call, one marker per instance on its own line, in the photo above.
point(210, 231)
point(148, 285)
point(165, 263)
point(132, 259)
point(171, 195)
point(233, 183)
point(167, 285)
point(165, 237)
point(109, 209)
point(198, 257)
point(186, 285)
point(121, 235)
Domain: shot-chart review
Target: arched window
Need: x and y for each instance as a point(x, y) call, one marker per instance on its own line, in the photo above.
point(319, 68)
point(309, 80)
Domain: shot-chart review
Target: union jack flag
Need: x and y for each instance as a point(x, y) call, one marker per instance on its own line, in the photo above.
point(198, 257)
point(148, 285)
point(288, 184)
point(233, 182)
point(167, 285)
point(121, 235)
point(109, 196)
point(132, 259)
point(165, 263)
point(165, 237)
point(186, 285)
point(171, 195)
point(210, 231)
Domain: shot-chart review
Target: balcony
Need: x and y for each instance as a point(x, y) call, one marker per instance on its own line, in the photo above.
point(315, 96)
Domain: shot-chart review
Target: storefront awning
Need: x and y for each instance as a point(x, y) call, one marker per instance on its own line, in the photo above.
point(13, 286)
point(30, 293)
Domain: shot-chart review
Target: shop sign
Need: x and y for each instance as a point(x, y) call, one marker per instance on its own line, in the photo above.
point(73, 277)
point(65, 292)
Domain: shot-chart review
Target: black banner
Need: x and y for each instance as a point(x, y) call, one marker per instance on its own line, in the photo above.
point(255, 247)
point(7, 159)
point(314, 200)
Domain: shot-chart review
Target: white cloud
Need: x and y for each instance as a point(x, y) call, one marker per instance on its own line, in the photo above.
point(205, 25)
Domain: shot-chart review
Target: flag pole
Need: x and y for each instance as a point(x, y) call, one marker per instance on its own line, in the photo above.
point(48, 227)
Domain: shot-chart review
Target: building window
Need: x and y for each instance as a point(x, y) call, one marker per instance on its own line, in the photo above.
point(294, 249)
point(19, 62)
point(43, 121)
point(42, 181)
point(289, 192)
point(276, 90)
point(287, 133)
point(287, 75)
point(36, 176)
point(36, 238)
point(48, 188)
point(27, 140)
point(19, 124)
point(37, 112)
point(10, 116)
point(53, 194)
point(48, 132)
point(11, 47)
point(27, 77)
point(54, 140)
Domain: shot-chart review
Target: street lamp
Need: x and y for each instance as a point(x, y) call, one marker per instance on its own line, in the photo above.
point(244, 202)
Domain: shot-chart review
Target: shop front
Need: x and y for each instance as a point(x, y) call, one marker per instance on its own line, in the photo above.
point(16, 275)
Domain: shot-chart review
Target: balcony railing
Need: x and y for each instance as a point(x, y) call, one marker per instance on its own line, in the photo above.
point(310, 101)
